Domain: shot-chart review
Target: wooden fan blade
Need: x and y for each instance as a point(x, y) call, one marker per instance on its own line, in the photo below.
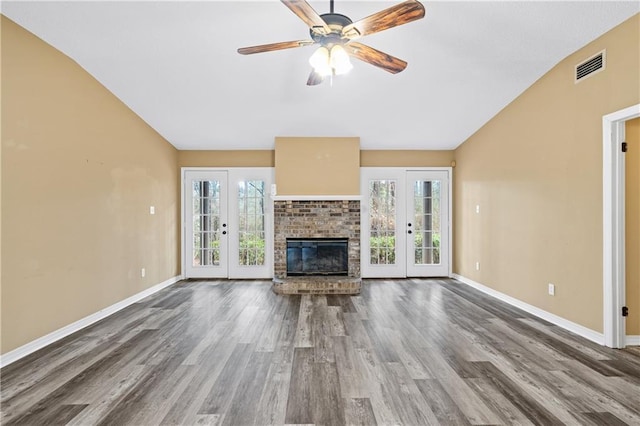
point(274, 46)
point(305, 12)
point(375, 57)
point(314, 78)
point(400, 14)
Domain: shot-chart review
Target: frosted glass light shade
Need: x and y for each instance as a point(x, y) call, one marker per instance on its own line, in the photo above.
point(339, 60)
point(327, 62)
point(320, 61)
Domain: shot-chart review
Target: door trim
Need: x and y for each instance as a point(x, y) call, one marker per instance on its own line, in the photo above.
point(613, 262)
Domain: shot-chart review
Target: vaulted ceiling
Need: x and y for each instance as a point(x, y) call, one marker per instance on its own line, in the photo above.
point(174, 63)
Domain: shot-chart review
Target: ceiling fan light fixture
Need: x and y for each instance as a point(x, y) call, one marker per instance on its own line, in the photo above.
point(339, 60)
point(320, 61)
point(334, 61)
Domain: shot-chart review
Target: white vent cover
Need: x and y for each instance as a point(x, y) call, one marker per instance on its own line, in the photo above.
point(591, 66)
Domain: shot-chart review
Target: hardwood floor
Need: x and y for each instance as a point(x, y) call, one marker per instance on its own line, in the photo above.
point(410, 352)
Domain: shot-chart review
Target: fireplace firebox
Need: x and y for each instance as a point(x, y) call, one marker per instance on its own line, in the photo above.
point(317, 256)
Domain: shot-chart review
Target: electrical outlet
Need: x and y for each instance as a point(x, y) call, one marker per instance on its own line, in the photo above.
point(552, 289)
point(477, 208)
point(477, 266)
point(152, 210)
point(143, 272)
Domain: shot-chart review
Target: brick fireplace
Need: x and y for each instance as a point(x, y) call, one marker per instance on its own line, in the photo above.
point(313, 219)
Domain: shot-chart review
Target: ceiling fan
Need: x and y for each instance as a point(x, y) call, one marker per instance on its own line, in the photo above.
point(335, 33)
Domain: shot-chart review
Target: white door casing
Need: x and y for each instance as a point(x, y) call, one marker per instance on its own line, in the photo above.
point(613, 189)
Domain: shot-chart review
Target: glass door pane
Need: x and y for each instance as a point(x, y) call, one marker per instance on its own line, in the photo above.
point(426, 222)
point(251, 223)
point(382, 222)
point(206, 223)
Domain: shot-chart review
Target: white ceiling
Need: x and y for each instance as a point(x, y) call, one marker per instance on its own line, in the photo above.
point(174, 63)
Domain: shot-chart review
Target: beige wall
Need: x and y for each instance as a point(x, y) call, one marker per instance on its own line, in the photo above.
point(317, 166)
point(266, 158)
point(632, 226)
point(536, 171)
point(79, 172)
point(256, 158)
point(408, 158)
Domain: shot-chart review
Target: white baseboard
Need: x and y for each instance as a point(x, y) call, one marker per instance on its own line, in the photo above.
point(54, 336)
point(632, 341)
point(578, 329)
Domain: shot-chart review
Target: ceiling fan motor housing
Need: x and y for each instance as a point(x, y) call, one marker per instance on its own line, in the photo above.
point(336, 22)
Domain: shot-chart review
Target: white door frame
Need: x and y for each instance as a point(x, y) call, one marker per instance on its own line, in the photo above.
point(613, 186)
point(401, 221)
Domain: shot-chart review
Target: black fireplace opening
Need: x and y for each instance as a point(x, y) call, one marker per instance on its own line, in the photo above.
point(317, 256)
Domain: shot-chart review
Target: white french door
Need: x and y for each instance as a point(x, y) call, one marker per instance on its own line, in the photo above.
point(405, 217)
point(251, 223)
point(227, 221)
point(427, 224)
point(382, 222)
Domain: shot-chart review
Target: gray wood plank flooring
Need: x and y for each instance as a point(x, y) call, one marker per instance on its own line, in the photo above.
point(411, 352)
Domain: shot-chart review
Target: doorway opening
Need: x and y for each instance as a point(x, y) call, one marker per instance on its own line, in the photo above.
point(613, 136)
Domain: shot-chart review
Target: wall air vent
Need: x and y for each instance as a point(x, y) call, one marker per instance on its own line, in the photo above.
point(591, 66)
